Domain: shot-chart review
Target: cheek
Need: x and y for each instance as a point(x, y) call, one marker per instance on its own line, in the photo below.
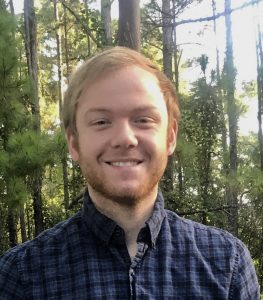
point(91, 147)
point(155, 143)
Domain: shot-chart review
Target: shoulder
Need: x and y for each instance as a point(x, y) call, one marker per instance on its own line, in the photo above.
point(206, 242)
point(219, 250)
point(48, 241)
point(22, 263)
point(201, 234)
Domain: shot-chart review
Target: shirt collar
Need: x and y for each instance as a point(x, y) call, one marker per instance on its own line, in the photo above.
point(108, 231)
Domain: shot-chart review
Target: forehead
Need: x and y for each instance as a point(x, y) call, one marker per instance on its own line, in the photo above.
point(129, 86)
point(124, 78)
point(110, 73)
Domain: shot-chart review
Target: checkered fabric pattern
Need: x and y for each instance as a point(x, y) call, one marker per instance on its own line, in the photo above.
point(86, 257)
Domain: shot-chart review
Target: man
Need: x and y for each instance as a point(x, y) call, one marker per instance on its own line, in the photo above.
point(121, 118)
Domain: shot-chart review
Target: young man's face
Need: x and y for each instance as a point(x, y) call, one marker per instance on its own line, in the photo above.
point(123, 142)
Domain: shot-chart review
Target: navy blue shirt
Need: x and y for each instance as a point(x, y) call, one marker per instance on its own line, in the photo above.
point(86, 257)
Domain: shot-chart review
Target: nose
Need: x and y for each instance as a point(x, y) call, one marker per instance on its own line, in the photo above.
point(124, 136)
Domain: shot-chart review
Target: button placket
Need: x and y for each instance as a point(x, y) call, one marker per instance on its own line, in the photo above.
point(132, 282)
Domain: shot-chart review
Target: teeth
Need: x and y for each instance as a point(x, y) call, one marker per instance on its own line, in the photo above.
point(124, 164)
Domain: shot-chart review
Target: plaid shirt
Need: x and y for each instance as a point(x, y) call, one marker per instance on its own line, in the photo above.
point(86, 257)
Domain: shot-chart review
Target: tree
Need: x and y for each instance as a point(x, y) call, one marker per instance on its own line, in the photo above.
point(106, 22)
point(12, 122)
point(259, 195)
point(11, 7)
point(260, 93)
point(232, 112)
point(205, 112)
point(31, 53)
point(129, 24)
point(60, 93)
point(168, 70)
point(81, 22)
point(221, 105)
point(167, 39)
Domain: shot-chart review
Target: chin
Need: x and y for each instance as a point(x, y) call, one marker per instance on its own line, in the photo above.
point(124, 196)
point(123, 192)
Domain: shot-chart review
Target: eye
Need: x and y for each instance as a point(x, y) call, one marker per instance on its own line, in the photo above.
point(100, 123)
point(144, 121)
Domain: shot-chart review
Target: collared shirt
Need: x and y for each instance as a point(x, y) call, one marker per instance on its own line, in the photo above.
point(86, 257)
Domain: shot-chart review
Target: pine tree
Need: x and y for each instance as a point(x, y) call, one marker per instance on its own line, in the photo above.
point(12, 122)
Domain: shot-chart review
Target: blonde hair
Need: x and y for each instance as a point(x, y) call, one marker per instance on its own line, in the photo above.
point(108, 61)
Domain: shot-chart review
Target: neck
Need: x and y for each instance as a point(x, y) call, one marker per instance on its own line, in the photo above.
point(130, 218)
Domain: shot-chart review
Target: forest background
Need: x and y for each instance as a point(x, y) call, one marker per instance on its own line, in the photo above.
point(216, 174)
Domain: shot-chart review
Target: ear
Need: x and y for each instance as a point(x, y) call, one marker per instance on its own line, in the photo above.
point(172, 137)
point(72, 144)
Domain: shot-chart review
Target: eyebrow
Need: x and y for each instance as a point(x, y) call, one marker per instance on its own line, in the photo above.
point(136, 109)
point(146, 108)
point(97, 109)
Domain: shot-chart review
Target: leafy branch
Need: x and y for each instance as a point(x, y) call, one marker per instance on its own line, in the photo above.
point(83, 25)
point(253, 2)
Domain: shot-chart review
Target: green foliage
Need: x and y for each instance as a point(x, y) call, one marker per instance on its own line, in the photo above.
point(17, 192)
point(198, 154)
point(4, 160)
point(28, 151)
point(151, 35)
point(13, 120)
point(54, 211)
point(7, 58)
point(249, 88)
point(203, 61)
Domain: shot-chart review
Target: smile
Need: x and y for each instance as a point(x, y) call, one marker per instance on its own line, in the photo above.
point(124, 163)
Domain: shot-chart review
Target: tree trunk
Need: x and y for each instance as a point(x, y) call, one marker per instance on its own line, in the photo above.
point(60, 100)
point(180, 177)
point(221, 107)
point(11, 224)
point(67, 75)
point(66, 52)
point(176, 57)
point(106, 22)
point(217, 51)
point(37, 202)
point(205, 176)
point(260, 133)
point(87, 20)
point(28, 222)
point(232, 123)
point(31, 53)
point(23, 225)
point(176, 60)
point(168, 71)
point(11, 4)
point(167, 39)
point(3, 236)
point(260, 95)
point(129, 24)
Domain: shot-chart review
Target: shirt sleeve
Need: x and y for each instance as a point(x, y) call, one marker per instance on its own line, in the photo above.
point(10, 281)
point(244, 283)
